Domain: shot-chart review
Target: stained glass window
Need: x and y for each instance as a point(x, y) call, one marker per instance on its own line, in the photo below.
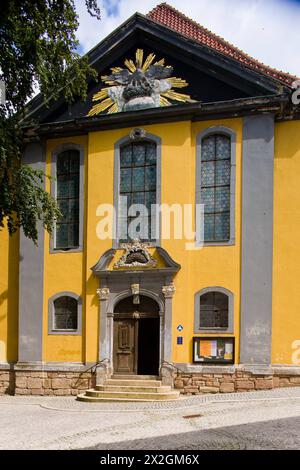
point(138, 186)
point(65, 313)
point(67, 181)
point(215, 187)
point(214, 310)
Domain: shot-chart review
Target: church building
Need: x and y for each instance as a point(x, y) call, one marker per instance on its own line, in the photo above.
point(175, 257)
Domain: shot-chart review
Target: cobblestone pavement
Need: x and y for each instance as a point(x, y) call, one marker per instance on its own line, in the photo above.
point(255, 420)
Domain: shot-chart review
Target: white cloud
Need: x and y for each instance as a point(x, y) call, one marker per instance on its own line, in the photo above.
point(265, 29)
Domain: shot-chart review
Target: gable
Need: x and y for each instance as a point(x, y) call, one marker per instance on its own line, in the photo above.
point(211, 77)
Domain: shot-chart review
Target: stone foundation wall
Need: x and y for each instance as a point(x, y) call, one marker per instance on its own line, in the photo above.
point(33, 382)
point(238, 381)
point(6, 382)
point(62, 383)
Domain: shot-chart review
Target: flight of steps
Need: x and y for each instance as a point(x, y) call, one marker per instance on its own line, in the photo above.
point(130, 388)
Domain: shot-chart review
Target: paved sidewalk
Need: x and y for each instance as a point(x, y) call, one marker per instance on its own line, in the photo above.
point(252, 420)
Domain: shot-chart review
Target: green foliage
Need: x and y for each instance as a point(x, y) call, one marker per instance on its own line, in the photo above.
point(38, 46)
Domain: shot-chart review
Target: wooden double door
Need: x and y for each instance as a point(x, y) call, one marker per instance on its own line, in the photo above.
point(136, 344)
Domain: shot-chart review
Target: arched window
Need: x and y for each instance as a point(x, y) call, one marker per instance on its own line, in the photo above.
point(67, 195)
point(214, 310)
point(65, 313)
point(215, 187)
point(138, 169)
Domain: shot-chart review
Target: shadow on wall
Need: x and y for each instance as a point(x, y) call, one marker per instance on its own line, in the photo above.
point(7, 381)
point(3, 297)
point(13, 298)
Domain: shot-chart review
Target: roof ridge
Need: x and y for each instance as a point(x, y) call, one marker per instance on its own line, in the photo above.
point(183, 15)
point(233, 49)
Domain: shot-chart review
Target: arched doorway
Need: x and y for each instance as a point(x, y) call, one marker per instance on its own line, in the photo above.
point(136, 336)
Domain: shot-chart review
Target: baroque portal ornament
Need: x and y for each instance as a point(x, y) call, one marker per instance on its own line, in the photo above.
point(103, 293)
point(142, 84)
point(135, 290)
point(168, 291)
point(136, 254)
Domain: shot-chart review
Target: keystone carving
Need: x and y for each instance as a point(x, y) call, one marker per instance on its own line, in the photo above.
point(138, 133)
point(135, 290)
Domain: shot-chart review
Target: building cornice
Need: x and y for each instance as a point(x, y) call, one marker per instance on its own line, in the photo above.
point(187, 112)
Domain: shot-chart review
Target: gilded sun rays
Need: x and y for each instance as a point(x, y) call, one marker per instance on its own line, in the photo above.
point(141, 84)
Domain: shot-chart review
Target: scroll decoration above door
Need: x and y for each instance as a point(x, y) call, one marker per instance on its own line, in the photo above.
point(136, 254)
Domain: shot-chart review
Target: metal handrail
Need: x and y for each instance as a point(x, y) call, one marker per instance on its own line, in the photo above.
point(177, 369)
point(101, 363)
point(93, 368)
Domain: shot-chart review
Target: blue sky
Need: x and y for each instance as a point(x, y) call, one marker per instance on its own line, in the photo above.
point(269, 30)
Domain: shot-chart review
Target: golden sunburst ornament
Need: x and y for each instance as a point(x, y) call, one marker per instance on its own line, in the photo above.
point(142, 84)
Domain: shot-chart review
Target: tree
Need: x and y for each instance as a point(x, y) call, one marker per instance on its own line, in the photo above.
point(38, 47)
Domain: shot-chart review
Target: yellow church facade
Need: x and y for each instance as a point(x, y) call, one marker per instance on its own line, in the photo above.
point(216, 311)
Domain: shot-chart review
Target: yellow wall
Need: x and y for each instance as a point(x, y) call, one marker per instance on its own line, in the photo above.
point(9, 287)
point(63, 272)
point(214, 265)
point(211, 266)
point(286, 260)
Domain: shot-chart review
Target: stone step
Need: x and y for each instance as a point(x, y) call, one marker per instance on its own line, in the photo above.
point(157, 396)
point(133, 388)
point(85, 398)
point(134, 377)
point(132, 382)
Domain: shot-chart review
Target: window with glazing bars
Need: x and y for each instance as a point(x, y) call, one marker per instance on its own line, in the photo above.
point(138, 186)
point(65, 313)
point(215, 187)
point(214, 310)
point(67, 194)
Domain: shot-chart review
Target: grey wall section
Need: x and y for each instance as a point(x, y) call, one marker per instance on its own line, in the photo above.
point(257, 239)
point(31, 278)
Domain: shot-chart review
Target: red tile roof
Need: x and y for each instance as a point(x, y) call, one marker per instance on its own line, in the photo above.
point(173, 19)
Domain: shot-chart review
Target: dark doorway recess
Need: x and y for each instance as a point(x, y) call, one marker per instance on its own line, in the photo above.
point(136, 336)
point(148, 346)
